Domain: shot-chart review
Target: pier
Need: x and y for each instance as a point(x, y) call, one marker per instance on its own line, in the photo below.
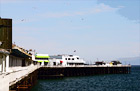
point(26, 82)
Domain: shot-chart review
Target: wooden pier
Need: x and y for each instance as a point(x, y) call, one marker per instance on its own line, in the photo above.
point(48, 72)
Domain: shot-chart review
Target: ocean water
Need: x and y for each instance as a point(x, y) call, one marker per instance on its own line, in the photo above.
point(111, 82)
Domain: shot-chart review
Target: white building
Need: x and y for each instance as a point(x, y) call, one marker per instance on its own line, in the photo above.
point(65, 60)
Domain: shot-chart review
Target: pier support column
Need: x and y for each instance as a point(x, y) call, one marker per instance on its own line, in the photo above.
point(7, 63)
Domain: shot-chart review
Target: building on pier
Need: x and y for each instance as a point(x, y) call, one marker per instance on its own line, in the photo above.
point(42, 59)
point(65, 60)
point(58, 60)
point(117, 63)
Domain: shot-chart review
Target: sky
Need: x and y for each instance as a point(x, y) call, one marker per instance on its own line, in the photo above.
point(96, 29)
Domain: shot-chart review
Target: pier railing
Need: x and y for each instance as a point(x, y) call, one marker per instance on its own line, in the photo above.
point(89, 66)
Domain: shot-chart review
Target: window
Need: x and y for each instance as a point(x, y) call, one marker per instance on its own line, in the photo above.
point(68, 58)
point(65, 58)
point(77, 58)
point(72, 58)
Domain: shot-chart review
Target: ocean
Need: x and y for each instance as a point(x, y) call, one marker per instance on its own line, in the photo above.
point(108, 82)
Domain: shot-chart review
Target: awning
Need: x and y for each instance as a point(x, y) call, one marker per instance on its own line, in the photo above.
point(46, 61)
point(39, 61)
point(42, 60)
point(42, 56)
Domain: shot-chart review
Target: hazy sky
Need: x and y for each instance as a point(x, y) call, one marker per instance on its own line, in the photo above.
point(103, 29)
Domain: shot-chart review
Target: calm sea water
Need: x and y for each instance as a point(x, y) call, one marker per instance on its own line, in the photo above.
point(112, 82)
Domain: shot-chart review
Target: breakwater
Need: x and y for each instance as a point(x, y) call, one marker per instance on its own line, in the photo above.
point(59, 72)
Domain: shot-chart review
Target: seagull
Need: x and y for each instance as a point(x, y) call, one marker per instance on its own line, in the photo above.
point(34, 8)
point(22, 20)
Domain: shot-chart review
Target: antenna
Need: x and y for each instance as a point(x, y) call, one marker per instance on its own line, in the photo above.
point(74, 52)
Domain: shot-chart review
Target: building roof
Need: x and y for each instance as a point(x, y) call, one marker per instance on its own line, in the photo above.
point(20, 52)
point(4, 51)
point(56, 57)
point(23, 51)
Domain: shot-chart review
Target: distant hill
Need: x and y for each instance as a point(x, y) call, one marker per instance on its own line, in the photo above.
point(131, 60)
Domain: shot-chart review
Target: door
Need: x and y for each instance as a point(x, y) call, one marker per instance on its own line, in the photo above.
point(45, 63)
point(23, 62)
point(54, 63)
